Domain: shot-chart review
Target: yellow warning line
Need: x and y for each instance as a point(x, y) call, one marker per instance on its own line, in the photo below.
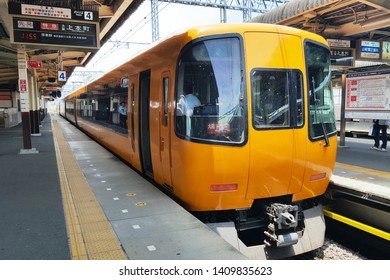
point(91, 236)
point(363, 170)
point(377, 232)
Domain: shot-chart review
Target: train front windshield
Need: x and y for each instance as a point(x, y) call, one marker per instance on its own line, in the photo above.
point(209, 92)
point(321, 109)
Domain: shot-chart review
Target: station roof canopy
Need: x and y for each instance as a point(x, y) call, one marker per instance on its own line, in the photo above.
point(112, 14)
point(337, 19)
point(354, 19)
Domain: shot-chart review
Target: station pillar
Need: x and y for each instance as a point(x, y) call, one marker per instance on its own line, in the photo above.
point(34, 108)
point(25, 103)
point(342, 111)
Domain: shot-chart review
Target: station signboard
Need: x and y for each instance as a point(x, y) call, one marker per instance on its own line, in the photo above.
point(23, 85)
point(54, 27)
point(341, 57)
point(34, 64)
point(55, 33)
point(52, 12)
point(61, 76)
point(368, 95)
point(24, 98)
point(342, 52)
point(338, 43)
point(369, 49)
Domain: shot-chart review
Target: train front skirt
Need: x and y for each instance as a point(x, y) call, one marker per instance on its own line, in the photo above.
point(313, 238)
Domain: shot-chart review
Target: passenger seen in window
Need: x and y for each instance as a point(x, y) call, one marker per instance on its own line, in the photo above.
point(188, 101)
point(123, 115)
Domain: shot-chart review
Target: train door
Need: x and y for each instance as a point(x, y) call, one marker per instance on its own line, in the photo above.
point(144, 126)
point(165, 140)
point(276, 159)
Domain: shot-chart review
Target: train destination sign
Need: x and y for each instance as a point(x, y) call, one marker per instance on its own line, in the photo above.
point(58, 33)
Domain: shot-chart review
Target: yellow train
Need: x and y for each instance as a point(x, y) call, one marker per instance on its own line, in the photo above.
point(234, 120)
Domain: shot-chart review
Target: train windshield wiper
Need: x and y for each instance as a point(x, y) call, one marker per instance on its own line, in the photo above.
point(318, 113)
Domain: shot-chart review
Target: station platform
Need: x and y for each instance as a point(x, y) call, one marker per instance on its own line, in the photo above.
point(363, 170)
point(73, 199)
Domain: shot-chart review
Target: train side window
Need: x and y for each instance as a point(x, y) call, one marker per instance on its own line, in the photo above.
point(209, 93)
point(106, 105)
point(296, 85)
point(165, 86)
point(132, 108)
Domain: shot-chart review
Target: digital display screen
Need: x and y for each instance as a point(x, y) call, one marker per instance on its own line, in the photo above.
point(55, 32)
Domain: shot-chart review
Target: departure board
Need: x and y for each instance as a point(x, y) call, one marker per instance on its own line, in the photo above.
point(55, 33)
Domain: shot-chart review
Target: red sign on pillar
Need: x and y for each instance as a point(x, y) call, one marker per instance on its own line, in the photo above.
point(22, 85)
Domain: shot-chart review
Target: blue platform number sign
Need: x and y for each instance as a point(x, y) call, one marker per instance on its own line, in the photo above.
point(62, 76)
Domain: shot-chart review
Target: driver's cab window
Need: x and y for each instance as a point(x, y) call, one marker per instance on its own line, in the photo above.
point(209, 97)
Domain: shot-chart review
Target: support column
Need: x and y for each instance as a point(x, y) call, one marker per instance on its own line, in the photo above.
point(34, 112)
point(42, 108)
point(342, 111)
point(155, 27)
point(222, 15)
point(247, 11)
point(24, 104)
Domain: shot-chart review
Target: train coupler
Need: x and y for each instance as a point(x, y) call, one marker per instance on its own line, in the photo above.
point(282, 231)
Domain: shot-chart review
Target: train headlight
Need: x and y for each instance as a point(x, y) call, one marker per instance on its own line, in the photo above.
point(317, 176)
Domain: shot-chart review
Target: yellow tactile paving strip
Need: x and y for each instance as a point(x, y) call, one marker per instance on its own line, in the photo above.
point(90, 234)
point(363, 170)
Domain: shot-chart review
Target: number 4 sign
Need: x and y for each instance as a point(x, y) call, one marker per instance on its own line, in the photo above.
point(61, 76)
point(88, 15)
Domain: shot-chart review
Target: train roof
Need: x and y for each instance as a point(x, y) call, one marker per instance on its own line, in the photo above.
point(222, 28)
point(181, 37)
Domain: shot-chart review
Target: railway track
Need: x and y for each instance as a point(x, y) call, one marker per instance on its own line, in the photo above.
point(358, 221)
point(357, 227)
